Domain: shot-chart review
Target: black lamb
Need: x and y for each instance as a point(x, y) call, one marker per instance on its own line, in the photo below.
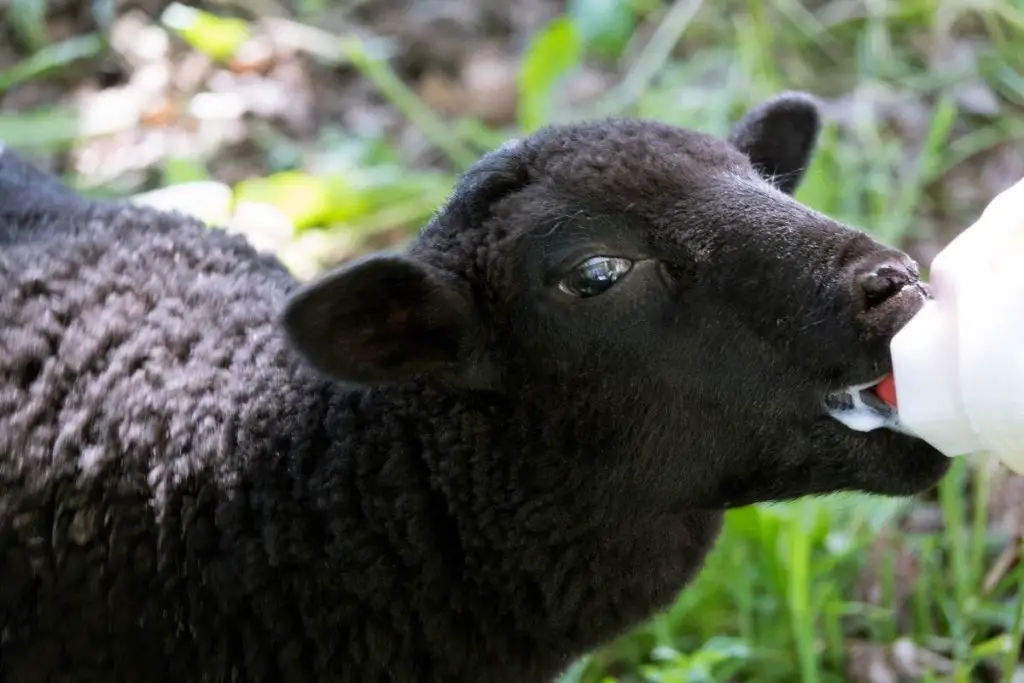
point(470, 461)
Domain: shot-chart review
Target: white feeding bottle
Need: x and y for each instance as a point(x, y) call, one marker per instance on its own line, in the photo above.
point(958, 365)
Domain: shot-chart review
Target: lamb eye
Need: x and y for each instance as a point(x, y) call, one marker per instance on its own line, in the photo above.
point(595, 275)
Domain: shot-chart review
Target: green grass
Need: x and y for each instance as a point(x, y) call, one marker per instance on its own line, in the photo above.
point(778, 600)
point(775, 602)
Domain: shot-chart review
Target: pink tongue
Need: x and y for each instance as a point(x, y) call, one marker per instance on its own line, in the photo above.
point(886, 390)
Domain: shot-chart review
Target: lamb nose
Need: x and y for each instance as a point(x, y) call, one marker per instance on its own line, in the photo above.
point(884, 282)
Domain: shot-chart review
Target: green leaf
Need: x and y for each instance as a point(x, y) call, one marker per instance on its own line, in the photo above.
point(28, 17)
point(604, 25)
point(305, 199)
point(310, 8)
point(554, 51)
point(575, 673)
point(177, 170)
point(217, 37)
point(42, 130)
point(52, 58)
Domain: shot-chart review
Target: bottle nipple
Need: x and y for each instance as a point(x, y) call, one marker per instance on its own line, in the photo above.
point(886, 390)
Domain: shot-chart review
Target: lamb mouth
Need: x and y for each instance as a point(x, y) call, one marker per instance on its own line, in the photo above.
point(860, 408)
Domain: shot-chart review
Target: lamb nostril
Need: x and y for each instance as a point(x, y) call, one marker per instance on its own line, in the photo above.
point(883, 283)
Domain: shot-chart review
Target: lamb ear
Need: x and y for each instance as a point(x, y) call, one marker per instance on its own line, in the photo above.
point(779, 136)
point(382, 318)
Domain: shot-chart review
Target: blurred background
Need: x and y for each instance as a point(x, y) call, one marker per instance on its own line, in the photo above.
point(325, 128)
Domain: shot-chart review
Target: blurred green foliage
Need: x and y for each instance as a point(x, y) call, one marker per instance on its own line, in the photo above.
point(552, 53)
point(215, 36)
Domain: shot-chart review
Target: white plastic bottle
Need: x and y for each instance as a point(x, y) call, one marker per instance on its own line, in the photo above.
point(958, 365)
